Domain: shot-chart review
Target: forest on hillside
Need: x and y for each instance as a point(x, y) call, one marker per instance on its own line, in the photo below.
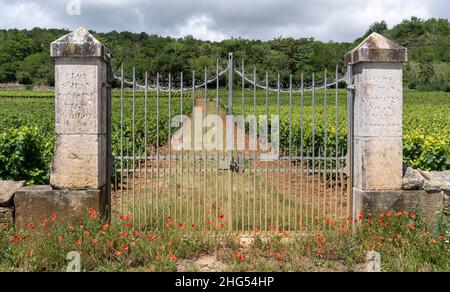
point(24, 54)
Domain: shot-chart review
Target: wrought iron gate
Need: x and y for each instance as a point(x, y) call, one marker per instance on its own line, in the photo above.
point(247, 158)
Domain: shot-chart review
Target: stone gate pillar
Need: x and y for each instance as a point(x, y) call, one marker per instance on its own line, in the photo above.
point(82, 87)
point(80, 171)
point(377, 118)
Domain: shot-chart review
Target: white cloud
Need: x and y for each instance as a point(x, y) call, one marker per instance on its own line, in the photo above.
point(338, 20)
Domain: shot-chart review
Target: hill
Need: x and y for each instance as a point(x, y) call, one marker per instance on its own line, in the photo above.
point(24, 54)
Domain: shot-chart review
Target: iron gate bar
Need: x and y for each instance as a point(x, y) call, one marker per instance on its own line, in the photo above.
point(200, 164)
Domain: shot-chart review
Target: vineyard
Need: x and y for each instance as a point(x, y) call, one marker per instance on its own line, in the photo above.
point(28, 117)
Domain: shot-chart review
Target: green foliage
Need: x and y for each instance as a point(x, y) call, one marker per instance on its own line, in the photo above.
point(24, 155)
point(24, 55)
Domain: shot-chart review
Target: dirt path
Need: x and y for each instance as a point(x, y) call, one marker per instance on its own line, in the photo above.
point(194, 181)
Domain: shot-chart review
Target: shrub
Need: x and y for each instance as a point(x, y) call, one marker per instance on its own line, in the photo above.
point(25, 155)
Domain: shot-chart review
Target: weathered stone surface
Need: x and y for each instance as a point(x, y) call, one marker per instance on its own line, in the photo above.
point(7, 189)
point(81, 118)
point(7, 216)
point(377, 48)
point(430, 205)
point(79, 43)
point(378, 100)
point(37, 203)
point(378, 163)
point(79, 162)
point(80, 96)
point(412, 180)
point(436, 181)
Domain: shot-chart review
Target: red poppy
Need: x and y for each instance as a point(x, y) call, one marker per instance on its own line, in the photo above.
point(105, 227)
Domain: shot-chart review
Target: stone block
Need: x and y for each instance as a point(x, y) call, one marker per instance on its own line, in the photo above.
point(378, 100)
point(429, 205)
point(412, 180)
point(377, 48)
point(378, 163)
point(7, 190)
point(79, 162)
point(80, 104)
point(79, 43)
point(37, 203)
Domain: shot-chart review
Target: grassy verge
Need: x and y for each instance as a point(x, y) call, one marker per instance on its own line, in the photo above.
point(403, 240)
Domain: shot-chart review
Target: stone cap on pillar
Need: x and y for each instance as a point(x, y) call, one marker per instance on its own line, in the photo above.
point(377, 48)
point(78, 44)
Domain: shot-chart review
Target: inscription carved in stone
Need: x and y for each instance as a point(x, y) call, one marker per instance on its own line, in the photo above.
point(76, 99)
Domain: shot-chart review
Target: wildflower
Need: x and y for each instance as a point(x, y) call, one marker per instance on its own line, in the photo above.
point(127, 225)
point(16, 239)
point(221, 217)
point(194, 225)
point(413, 215)
point(105, 227)
point(412, 227)
point(134, 234)
point(169, 244)
point(125, 217)
point(72, 228)
point(181, 226)
point(158, 257)
point(53, 217)
point(78, 241)
point(123, 235)
point(319, 251)
point(372, 247)
point(94, 215)
point(102, 233)
point(169, 222)
point(117, 253)
point(210, 221)
point(125, 247)
point(60, 238)
point(86, 233)
point(31, 226)
point(222, 225)
point(109, 244)
point(94, 241)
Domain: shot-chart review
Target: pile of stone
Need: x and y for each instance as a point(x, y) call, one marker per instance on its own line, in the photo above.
point(430, 181)
point(7, 190)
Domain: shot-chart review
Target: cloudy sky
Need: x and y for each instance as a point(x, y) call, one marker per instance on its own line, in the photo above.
point(338, 20)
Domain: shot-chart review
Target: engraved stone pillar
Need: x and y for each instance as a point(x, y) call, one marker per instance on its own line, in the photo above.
point(377, 133)
point(79, 161)
point(81, 165)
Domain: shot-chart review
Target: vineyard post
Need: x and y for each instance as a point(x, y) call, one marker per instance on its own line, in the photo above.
point(376, 135)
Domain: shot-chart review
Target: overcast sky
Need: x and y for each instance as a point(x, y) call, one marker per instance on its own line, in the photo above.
point(337, 20)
